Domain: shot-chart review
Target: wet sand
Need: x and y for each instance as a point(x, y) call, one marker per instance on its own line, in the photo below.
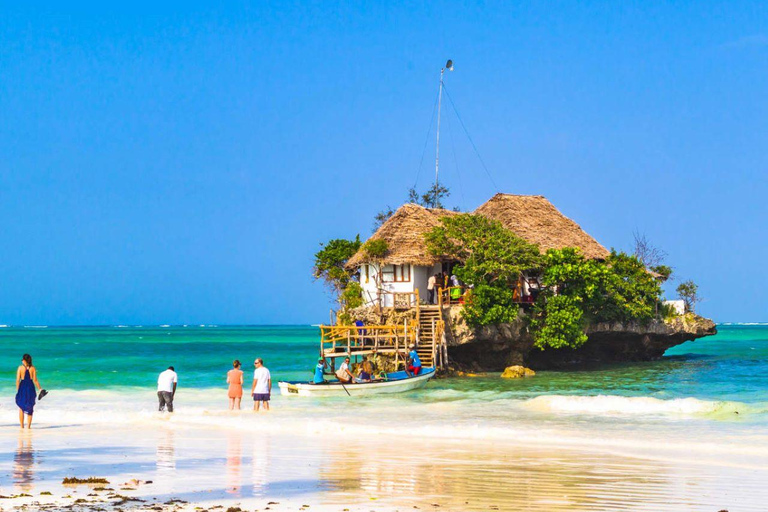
point(175, 467)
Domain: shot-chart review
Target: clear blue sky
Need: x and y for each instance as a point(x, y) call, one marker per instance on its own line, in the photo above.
point(181, 163)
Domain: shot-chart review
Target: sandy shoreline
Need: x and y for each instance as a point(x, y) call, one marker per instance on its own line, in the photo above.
point(217, 468)
point(452, 452)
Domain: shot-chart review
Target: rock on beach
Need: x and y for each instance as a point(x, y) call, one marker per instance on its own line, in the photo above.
point(517, 372)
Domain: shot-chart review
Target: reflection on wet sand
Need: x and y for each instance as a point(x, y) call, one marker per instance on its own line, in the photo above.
point(486, 477)
point(233, 463)
point(165, 461)
point(23, 463)
point(260, 464)
point(342, 471)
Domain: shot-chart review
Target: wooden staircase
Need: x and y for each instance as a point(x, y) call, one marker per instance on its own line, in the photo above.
point(429, 316)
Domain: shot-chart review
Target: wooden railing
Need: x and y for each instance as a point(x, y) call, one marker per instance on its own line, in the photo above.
point(352, 340)
point(452, 295)
point(400, 300)
point(440, 357)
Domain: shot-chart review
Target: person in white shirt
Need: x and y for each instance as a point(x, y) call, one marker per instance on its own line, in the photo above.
point(262, 385)
point(343, 373)
point(431, 285)
point(166, 388)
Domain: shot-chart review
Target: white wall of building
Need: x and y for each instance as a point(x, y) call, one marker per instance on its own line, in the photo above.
point(420, 276)
point(418, 279)
point(678, 305)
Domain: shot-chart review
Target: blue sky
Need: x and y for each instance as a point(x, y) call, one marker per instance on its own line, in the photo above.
point(180, 163)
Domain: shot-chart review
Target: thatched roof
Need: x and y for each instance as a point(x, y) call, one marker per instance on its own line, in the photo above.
point(404, 232)
point(537, 221)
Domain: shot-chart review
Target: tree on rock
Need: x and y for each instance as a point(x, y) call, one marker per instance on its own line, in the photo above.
point(329, 266)
point(491, 260)
point(689, 292)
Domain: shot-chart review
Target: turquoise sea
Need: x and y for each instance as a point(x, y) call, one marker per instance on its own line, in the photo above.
point(731, 366)
point(707, 389)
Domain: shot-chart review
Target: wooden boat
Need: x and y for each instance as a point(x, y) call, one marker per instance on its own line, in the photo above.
point(395, 382)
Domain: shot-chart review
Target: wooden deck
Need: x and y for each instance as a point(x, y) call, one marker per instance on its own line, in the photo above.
point(426, 331)
point(390, 340)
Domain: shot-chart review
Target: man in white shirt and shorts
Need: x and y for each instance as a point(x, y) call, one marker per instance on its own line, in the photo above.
point(262, 385)
point(166, 388)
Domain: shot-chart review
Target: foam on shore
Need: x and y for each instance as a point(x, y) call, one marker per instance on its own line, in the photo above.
point(640, 405)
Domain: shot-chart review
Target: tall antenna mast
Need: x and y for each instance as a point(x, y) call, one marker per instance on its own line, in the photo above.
point(449, 67)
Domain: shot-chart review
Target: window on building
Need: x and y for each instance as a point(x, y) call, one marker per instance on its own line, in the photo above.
point(388, 274)
point(396, 274)
point(367, 274)
point(402, 273)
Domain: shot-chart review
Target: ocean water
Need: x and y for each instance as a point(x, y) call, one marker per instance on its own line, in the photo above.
point(596, 439)
point(721, 379)
point(731, 366)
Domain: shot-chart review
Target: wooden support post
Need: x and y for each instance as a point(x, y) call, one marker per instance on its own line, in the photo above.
point(397, 353)
point(434, 335)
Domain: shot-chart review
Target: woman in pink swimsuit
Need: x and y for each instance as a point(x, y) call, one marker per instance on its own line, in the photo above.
point(235, 381)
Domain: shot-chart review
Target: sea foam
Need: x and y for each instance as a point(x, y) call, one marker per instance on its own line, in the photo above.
point(636, 405)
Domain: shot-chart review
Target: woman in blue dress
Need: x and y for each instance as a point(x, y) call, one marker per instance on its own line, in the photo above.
point(26, 380)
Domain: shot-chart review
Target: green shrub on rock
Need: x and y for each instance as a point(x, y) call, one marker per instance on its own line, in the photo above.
point(578, 291)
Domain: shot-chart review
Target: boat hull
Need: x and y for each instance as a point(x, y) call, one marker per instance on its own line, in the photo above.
point(366, 388)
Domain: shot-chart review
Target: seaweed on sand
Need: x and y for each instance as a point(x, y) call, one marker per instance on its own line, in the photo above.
point(90, 480)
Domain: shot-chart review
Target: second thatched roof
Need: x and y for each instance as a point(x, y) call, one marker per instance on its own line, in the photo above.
point(536, 220)
point(532, 218)
point(404, 232)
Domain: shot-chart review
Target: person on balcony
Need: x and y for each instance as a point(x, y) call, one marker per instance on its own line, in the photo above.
point(431, 284)
point(456, 289)
point(414, 363)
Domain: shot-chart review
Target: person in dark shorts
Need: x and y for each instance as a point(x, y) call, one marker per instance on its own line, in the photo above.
point(166, 389)
point(262, 385)
point(365, 371)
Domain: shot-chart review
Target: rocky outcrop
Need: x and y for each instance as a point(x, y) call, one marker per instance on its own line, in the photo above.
point(496, 347)
point(493, 348)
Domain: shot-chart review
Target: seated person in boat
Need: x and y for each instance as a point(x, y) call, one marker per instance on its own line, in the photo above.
point(414, 363)
point(319, 371)
point(365, 371)
point(343, 373)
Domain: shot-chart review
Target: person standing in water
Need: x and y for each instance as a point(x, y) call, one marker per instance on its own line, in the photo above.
point(26, 380)
point(235, 381)
point(166, 388)
point(262, 385)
